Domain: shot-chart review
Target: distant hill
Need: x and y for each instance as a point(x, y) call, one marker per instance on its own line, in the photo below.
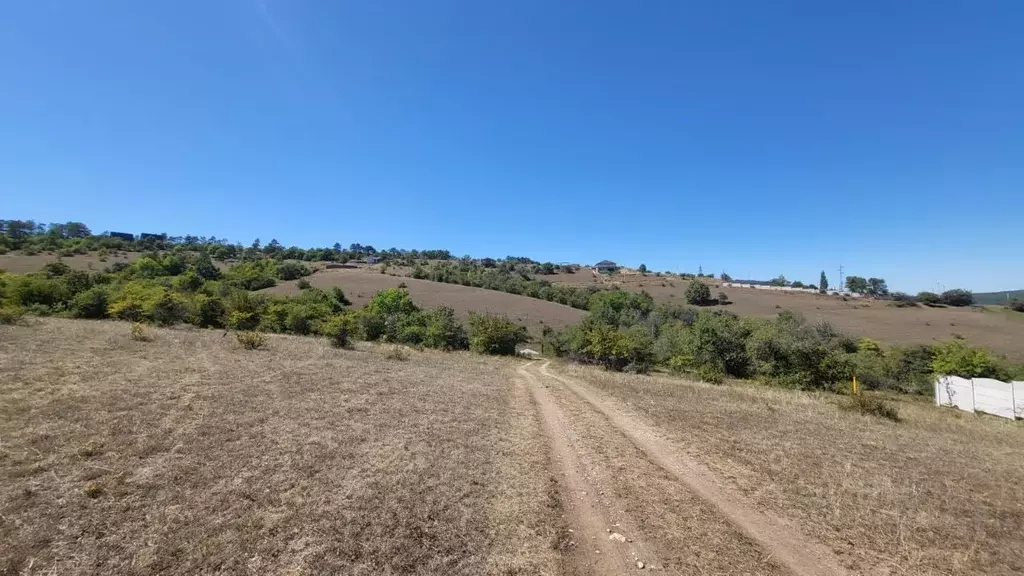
point(997, 297)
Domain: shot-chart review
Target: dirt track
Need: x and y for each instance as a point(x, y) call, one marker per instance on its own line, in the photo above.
point(589, 509)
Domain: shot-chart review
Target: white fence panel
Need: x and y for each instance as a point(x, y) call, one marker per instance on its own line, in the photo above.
point(955, 391)
point(993, 397)
point(1018, 399)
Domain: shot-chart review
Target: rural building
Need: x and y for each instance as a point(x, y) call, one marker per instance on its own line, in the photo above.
point(122, 235)
point(373, 259)
point(606, 267)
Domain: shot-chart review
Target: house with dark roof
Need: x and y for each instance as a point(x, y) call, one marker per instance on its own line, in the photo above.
point(606, 267)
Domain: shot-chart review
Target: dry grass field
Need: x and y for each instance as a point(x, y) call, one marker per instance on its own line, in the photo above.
point(186, 454)
point(939, 493)
point(360, 284)
point(19, 263)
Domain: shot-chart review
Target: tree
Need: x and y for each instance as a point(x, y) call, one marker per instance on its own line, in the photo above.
point(797, 284)
point(929, 298)
point(957, 297)
point(725, 277)
point(823, 283)
point(856, 284)
point(877, 287)
point(780, 281)
point(255, 244)
point(698, 293)
point(642, 269)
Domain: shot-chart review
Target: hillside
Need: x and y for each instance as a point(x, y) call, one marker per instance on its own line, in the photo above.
point(989, 298)
point(360, 284)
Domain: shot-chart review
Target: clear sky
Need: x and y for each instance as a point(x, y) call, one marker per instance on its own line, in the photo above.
point(753, 137)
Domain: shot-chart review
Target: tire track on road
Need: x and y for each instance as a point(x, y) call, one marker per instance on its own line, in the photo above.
point(784, 541)
point(594, 553)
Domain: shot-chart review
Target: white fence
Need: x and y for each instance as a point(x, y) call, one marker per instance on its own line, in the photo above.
point(789, 289)
point(1004, 399)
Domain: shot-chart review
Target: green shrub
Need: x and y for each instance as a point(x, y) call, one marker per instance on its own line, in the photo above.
point(210, 312)
point(251, 340)
point(1016, 305)
point(187, 282)
point(444, 331)
point(698, 293)
point(723, 299)
point(12, 315)
point(495, 335)
point(338, 329)
point(92, 303)
point(869, 345)
point(28, 290)
point(135, 300)
point(956, 358)
point(292, 270)
point(169, 309)
point(957, 297)
point(303, 284)
point(929, 298)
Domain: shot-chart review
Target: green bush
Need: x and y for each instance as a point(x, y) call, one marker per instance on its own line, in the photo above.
point(29, 290)
point(210, 312)
point(1016, 305)
point(955, 358)
point(444, 331)
point(495, 335)
point(698, 293)
point(135, 301)
point(292, 270)
point(12, 315)
point(929, 298)
point(92, 303)
point(338, 329)
point(169, 309)
point(957, 297)
point(303, 284)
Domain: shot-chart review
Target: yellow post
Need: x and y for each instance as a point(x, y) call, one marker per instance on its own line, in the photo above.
point(855, 390)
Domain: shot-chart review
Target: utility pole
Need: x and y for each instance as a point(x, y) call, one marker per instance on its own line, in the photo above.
point(841, 285)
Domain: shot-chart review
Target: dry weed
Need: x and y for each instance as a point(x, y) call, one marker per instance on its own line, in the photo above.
point(396, 353)
point(140, 333)
point(251, 340)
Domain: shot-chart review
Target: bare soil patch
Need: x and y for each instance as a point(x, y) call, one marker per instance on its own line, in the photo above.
point(361, 284)
point(188, 454)
point(938, 493)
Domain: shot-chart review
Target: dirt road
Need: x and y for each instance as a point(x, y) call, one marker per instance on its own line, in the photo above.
point(581, 424)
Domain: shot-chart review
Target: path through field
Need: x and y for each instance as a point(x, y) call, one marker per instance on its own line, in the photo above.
point(785, 549)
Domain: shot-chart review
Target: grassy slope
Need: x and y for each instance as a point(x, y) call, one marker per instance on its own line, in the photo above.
point(298, 458)
point(938, 493)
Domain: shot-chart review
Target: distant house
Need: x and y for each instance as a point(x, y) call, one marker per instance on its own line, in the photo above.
point(373, 259)
point(122, 235)
point(606, 267)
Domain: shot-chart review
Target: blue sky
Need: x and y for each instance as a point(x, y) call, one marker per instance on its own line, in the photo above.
point(753, 137)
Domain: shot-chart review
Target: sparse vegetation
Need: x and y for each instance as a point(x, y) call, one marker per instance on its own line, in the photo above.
point(873, 406)
point(251, 340)
point(139, 333)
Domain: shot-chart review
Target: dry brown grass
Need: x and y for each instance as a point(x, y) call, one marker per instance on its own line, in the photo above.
point(20, 263)
point(937, 493)
point(360, 284)
point(196, 456)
